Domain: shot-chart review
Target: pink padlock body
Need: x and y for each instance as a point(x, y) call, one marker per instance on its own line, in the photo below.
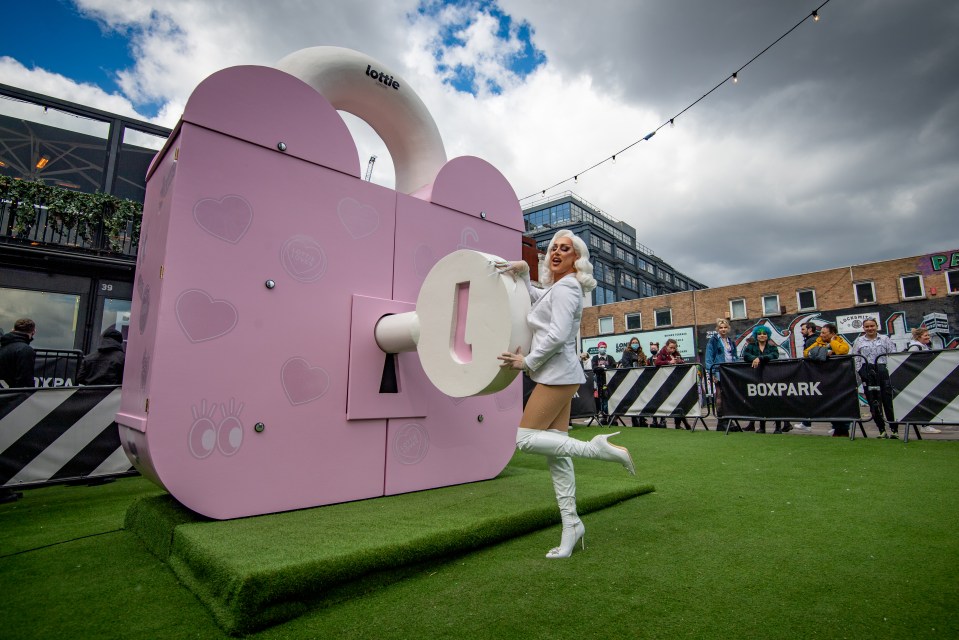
point(260, 277)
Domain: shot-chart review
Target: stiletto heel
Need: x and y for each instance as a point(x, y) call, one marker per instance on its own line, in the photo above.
point(613, 452)
point(571, 535)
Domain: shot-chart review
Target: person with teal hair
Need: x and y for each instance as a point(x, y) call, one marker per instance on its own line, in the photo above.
point(758, 352)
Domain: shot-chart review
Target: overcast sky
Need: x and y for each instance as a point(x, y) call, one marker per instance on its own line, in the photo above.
point(838, 146)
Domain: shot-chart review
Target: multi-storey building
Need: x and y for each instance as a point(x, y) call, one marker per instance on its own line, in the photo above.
point(624, 268)
point(66, 258)
point(900, 294)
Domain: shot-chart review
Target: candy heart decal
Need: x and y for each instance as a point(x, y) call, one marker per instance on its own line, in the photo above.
point(303, 258)
point(411, 443)
point(203, 318)
point(227, 218)
point(360, 220)
point(303, 383)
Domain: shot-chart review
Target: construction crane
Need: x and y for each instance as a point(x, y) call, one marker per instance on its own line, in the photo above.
point(369, 168)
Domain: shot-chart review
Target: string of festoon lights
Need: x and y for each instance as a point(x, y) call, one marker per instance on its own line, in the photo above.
point(733, 77)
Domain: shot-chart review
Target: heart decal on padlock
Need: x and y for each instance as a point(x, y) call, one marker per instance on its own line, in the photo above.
point(303, 383)
point(227, 218)
point(202, 318)
point(359, 220)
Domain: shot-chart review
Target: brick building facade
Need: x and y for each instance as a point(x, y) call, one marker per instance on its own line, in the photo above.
point(902, 294)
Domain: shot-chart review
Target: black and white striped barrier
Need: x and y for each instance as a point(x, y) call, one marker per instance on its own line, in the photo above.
point(57, 435)
point(667, 391)
point(925, 387)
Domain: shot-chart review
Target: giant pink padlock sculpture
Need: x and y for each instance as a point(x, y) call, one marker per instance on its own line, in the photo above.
point(271, 281)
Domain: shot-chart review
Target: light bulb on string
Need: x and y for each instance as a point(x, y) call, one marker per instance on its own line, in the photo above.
point(672, 123)
point(614, 159)
point(815, 16)
point(575, 179)
point(735, 77)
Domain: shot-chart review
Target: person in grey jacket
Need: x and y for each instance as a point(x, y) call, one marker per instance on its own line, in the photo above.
point(553, 364)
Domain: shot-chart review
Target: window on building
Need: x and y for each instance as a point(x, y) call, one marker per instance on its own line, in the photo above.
point(55, 314)
point(634, 321)
point(595, 243)
point(771, 305)
point(952, 282)
point(664, 317)
point(910, 287)
point(865, 292)
point(806, 299)
point(627, 281)
point(737, 309)
point(630, 258)
point(608, 246)
point(606, 324)
point(620, 254)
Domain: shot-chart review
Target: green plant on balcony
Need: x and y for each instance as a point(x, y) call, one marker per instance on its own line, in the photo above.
point(82, 212)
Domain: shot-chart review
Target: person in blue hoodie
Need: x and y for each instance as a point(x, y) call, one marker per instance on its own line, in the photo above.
point(719, 348)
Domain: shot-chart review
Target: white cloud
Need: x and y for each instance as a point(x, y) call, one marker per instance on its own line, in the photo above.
point(832, 132)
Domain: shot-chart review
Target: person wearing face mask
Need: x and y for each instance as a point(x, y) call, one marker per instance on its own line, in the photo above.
point(553, 365)
point(634, 356)
point(601, 363)
point(720, 348)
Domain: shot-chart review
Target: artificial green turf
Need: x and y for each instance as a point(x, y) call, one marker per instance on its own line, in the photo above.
point(746, 536)
point(257, 571)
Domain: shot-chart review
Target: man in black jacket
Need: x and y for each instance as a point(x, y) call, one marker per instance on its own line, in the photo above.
point(17, 357)
point(17, 363)
point(105, 365)
point(601, 363)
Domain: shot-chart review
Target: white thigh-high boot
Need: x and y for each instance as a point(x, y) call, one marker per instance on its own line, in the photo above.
point(564, 484)
point(558, 444)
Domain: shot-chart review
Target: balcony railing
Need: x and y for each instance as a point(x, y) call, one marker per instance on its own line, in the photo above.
point(37, 215)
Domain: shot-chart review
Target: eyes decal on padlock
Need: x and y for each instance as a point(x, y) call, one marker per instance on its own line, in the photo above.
point(202, 435)
point(229, 432)
point(303, 258)
point(226, 218)
point(205, 434)
point(359, 220)
point(202, 318)
point(303, 383)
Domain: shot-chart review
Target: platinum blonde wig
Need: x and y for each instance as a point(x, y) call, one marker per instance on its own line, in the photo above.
point(584, 269)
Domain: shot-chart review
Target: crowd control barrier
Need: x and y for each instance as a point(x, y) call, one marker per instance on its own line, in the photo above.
point(668, 391)
point(57, 435)
point(925, 388)
point(800, 389)
point(583, 404)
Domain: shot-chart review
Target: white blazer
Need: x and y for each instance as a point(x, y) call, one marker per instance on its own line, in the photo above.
point(554, 319)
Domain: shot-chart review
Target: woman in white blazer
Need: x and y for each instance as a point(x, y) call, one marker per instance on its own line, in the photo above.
point(553, 364)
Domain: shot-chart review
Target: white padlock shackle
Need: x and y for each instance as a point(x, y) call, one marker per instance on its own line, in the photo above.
point(346, 79)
